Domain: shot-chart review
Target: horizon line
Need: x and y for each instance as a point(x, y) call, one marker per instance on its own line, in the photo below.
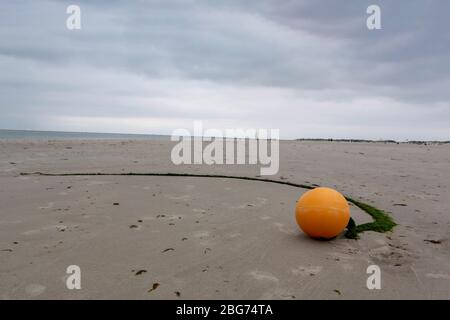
point(281, 139)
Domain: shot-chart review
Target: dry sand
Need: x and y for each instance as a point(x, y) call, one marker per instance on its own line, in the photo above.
point(203, 238)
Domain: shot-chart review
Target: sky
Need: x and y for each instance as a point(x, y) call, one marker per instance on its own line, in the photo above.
point(311, 69)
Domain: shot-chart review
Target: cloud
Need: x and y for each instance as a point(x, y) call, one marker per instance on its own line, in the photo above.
point(149, 66)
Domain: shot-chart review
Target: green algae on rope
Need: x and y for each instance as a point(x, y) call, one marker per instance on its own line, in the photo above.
point(382, 221)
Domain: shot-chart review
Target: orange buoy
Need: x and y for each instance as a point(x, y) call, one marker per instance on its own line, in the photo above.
point(322, 213)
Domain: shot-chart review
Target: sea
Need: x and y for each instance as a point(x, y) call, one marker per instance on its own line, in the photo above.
point(63, 135)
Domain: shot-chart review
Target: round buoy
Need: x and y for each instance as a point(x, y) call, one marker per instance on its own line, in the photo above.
point(322, 213)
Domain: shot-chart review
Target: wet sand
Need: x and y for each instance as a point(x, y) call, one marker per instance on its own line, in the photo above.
point(204, 238)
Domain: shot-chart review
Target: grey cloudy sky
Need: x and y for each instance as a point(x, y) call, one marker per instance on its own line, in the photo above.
point(310, 68)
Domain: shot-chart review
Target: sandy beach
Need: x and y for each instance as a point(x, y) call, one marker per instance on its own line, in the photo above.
point(146, 237)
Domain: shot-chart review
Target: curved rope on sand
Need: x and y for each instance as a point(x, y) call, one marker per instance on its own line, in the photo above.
point(382, 221)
